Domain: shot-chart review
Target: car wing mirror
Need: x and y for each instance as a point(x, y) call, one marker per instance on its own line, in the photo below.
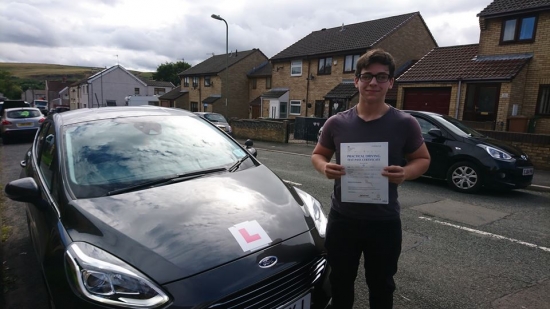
point(248, 145)
point(23, 190)
point(435, 133)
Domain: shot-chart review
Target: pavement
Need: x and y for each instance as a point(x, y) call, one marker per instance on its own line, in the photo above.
point(541, 178)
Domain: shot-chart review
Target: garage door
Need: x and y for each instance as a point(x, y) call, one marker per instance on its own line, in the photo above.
point(435, 100)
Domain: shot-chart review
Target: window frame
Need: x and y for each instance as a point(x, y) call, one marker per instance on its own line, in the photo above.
point(159, 91)
point(186, 81)
point(544, 93)
point(268, 82)
point(517, 31)
point(254, 83)
point(354, 59)
point(296, 64)
point(195, 81)
point(136, 91)
point(295, 104)
point(207, 81)
point(327, 70)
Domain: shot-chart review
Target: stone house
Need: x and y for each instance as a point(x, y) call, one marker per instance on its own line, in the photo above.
point(314, 76)
point(213, 88)
point(502, 83)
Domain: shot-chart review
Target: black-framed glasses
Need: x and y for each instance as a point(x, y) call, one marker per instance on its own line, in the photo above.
point(380, 77)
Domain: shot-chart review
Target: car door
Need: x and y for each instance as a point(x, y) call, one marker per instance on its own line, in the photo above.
point(436, 142)
point(44, 214)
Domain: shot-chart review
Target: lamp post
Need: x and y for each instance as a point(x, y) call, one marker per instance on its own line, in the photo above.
point(218, 17)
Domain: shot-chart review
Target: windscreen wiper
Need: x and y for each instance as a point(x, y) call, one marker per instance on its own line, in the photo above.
point(236, 165)
point(167, 180)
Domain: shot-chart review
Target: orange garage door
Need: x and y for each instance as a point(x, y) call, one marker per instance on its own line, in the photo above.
point(435, 100)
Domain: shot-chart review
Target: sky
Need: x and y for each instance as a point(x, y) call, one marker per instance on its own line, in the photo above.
point(143, 34)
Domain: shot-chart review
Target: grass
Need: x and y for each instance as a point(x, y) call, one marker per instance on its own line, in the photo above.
point(41, 71)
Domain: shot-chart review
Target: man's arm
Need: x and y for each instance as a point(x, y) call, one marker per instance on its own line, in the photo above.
point(320, 158)
point(417, 164)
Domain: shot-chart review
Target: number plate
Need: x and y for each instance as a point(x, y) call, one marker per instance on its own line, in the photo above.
point(25, 124)
point(302, 303)
point(527, 171)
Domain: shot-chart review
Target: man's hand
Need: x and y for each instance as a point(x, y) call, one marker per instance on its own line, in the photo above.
point(395, 174)
point(333, 171)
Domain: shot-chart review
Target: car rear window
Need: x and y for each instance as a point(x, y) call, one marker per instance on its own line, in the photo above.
point(23, 113)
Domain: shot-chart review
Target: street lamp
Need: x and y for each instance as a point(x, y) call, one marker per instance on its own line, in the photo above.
point(218, 17)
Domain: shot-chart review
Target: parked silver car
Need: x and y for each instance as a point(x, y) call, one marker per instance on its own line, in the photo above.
point(218, 120)
point(20, 122)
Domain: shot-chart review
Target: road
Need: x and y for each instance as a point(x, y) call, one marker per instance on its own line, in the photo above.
point(459, 251)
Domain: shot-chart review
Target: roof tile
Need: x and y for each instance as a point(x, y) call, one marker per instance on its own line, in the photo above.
point(503, 7)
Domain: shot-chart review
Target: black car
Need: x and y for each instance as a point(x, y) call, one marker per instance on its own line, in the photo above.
point(469, 160)
point(151, 207)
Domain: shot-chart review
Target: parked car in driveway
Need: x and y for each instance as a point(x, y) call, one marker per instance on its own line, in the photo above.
point(218, 120)
point(469, 160)
point(151, 207)
point(19, 122)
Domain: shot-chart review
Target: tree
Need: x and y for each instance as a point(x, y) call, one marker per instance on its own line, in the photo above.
point(8, 86)
point(169, 71)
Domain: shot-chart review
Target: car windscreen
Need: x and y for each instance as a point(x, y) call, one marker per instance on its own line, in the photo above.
point(40, 103)
point(458, 127)
point(215, 117)
point(106, 155)
point(23, 113)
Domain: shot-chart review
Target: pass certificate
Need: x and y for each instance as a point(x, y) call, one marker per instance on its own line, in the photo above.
point(363, 181)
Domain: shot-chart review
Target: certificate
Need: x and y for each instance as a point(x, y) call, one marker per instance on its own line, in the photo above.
point(363, 181)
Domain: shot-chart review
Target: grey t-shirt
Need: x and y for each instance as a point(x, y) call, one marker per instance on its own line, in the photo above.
point(403, 135)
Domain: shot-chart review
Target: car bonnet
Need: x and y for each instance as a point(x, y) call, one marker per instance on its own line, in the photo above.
point(175, 231)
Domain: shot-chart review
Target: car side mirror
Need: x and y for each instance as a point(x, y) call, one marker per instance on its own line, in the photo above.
point(435, 133)
point(23, 190)
point(248, 145)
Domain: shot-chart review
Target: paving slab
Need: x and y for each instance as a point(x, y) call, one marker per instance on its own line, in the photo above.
point(461, 212)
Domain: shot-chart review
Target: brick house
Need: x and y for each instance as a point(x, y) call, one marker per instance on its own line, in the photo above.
point(208, 90)
point(314, 76)
point(259, 83)
point(175, 98)
point(502, 83)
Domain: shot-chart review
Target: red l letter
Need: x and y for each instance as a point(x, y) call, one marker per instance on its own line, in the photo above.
point(249, 238)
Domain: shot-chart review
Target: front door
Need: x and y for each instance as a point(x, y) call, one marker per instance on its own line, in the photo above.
point(283, 113)
point(481, 102)
point(319, 108)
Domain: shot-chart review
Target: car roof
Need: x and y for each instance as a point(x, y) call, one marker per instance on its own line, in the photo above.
point(91, 114)
point(421, 112)
point(21, 108)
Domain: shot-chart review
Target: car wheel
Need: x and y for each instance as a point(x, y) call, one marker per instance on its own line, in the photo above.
point(464, 177)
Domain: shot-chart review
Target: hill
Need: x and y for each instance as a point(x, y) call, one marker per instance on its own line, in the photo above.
point(41, 71)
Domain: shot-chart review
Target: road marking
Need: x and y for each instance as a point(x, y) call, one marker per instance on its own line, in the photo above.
point(488, 234)
point(292, 183)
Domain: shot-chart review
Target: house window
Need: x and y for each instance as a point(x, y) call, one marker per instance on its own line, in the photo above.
point(268, 82)
point(207, 81)
point(136, 91)
point(519, 29)
point(159, 91)
point(543, 102)
point(254, 83)
point(296, 68)
point(295, 107)
point(186, 81)
point(194, 107)
point(111, 102)
point(325, 66)
point(195, 81)
point(350, 63)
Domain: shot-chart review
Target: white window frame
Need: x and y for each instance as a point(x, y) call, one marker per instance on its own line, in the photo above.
point(296, 64)
point(295, 103)
point(353, 58)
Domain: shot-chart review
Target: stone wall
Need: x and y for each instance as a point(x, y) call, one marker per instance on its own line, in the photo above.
point(261, 130)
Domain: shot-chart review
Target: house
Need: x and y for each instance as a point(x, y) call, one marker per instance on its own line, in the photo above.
point(502, 83)
point(33, 94)
point(53, 88)
point(176, 98)
point(259, 82)
point(111, 87)
point(314, 76)
point(213, 88)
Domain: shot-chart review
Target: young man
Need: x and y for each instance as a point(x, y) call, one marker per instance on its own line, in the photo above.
point(363, 219)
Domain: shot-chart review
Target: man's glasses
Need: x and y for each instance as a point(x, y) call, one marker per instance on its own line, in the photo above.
point(380, 77)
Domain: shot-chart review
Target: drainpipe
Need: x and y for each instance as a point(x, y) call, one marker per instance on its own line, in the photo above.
point(458, 97)
point(307, 86)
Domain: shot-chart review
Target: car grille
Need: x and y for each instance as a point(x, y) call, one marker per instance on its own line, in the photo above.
point(277, 290)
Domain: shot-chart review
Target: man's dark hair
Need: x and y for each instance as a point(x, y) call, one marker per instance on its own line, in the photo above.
point(375, 56)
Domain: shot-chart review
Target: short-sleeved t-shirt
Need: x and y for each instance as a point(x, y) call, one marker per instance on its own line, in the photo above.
point(402, 133)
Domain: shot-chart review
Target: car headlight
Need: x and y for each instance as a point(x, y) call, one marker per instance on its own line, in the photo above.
point(314, 209)
point(496, 153)
point(104, 278)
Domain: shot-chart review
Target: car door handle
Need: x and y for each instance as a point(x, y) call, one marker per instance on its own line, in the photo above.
point(23, 163)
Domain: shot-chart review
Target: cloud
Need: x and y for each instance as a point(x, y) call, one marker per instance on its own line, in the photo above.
point(145, 34)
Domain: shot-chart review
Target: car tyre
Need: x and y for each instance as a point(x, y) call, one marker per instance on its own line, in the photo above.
point(465, 177)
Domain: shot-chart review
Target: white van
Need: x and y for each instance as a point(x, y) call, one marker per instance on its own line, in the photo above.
point(142, 100)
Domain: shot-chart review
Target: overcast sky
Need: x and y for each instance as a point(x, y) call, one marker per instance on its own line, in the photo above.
point(147, 33)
